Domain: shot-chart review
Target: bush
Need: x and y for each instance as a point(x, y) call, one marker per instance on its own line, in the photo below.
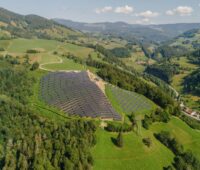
point(35, 66)
point(169, 142)
point(2, 49)
point(191, 122)
point(118, 127)
point(133, 119)
point(147, 141)
point(146, 122)
point(159, 115)
point(32, 51)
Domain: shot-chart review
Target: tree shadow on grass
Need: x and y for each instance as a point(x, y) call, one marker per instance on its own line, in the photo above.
point(114, 141)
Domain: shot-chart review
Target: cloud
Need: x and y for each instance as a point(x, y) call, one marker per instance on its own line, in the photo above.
point(104, 9)
point(143, 21)
point(148, 14)
point(170, 12)
point(124, 9)
point(180, 10)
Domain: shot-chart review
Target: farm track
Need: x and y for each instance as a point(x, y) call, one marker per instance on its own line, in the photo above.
point(48, 63)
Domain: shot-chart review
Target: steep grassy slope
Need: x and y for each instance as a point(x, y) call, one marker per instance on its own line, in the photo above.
point(133, 156)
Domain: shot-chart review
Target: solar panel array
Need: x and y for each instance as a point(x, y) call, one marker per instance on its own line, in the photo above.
point(76, 94)
point(130, 101)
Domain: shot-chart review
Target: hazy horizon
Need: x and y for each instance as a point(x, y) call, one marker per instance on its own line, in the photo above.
point(129, 11)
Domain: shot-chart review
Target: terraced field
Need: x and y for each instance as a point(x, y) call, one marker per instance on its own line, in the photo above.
point(130, 102)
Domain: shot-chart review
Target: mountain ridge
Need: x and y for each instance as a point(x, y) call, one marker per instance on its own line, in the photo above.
point(157, 33)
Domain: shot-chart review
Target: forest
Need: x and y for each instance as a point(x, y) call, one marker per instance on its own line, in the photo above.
point(29, 141)
point(165, 70)
point(192, 83)
point(129, 82)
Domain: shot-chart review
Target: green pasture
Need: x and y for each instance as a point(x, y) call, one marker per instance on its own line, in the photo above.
point(76, 50)
point(22, 45)
point(66, 65)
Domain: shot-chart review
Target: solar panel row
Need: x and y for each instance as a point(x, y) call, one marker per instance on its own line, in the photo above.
point(76, 94)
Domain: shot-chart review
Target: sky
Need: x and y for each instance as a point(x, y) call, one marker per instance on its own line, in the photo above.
point(130, 11)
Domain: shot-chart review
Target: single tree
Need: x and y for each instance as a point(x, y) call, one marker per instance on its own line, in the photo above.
point(119, 141)
point(133, 119)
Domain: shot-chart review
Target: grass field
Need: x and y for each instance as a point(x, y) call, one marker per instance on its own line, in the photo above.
point(76, 50)
point(19, 47)
point(188, 137)
point(126, 102)
point(133, 156)
point(46, 58)
point(4, 44)
point(66, 65)
point(22, 45)
point(132, 61)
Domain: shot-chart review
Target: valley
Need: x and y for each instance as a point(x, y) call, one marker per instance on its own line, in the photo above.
point(100, 99)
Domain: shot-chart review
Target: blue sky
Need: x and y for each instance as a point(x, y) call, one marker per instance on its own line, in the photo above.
point(131, 11)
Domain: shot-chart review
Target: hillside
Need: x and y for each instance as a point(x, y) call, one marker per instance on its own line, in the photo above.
point(30, 26)
point(55, 132)
point(189, 40)
point(156, 33)
point(102, 102)
point(181, 45)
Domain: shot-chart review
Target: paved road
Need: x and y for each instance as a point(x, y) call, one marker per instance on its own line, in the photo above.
point(177, 94)
point(197, 118)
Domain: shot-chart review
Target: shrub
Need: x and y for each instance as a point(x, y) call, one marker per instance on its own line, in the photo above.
point(117, 127)
point(147, 141)
point(35, 66)
point(2, 49)
point(32, 51)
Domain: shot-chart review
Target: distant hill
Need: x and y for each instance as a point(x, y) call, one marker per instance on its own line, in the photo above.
point(183, 44)
point(156, 33)
point(189, 39)
point(29, 26)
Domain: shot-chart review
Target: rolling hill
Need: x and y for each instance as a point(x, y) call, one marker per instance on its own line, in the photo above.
point(31, 26)
point(181, 45)
point(189, 40)
point(47, 114)
point(156, 33)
